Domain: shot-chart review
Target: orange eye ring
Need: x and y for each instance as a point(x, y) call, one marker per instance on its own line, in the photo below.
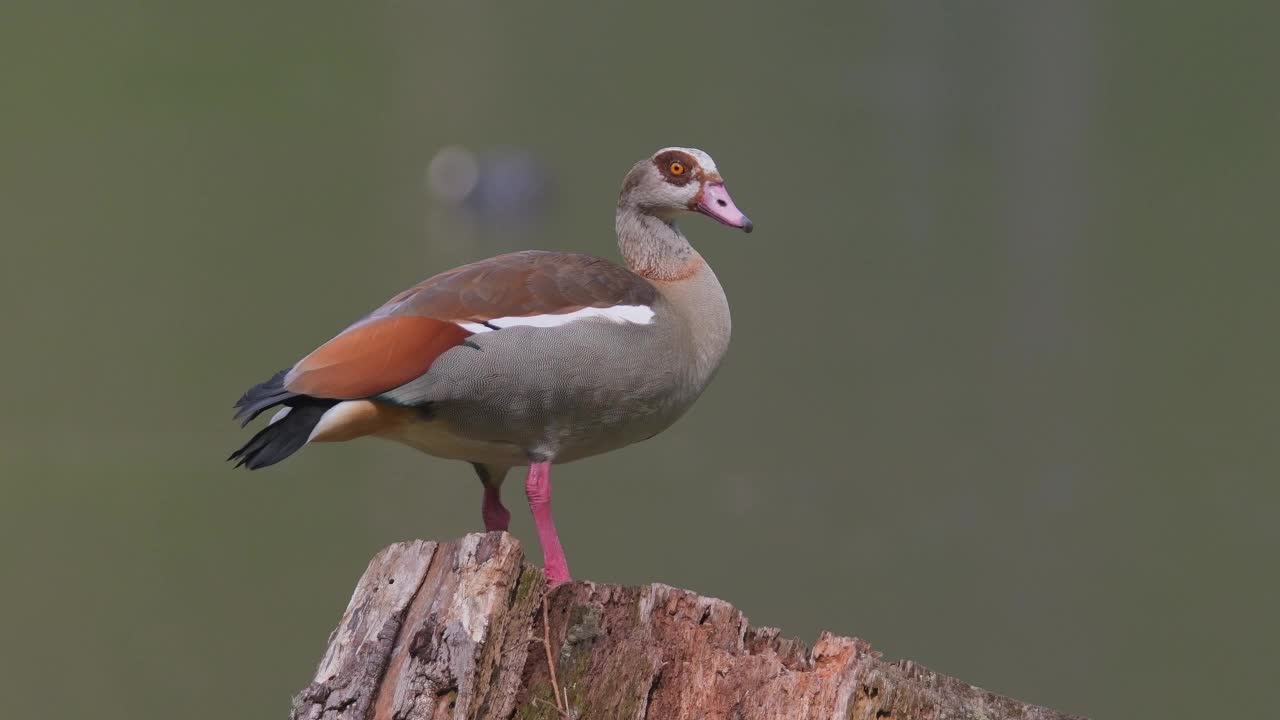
point(677, 168)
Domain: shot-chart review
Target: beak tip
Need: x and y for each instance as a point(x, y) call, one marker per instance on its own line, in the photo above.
point(747, 225)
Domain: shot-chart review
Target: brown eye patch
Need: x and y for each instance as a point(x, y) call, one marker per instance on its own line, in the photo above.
point(678, 168)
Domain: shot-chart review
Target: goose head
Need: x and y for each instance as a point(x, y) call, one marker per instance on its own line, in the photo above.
point(678, 180)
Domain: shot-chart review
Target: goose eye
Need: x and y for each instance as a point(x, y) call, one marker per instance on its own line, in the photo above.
point(677, 168)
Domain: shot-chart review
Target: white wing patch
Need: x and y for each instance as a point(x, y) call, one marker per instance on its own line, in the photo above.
point(639, 314)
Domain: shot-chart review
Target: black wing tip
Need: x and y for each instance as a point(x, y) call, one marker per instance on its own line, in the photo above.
point(260, 397)
point(239, 456)
point(280, 439)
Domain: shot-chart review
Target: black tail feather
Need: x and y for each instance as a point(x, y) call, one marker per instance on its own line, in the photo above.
point(261, 397)
point(283, 437)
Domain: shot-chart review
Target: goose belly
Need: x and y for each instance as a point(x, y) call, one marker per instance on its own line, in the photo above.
point(564, 393)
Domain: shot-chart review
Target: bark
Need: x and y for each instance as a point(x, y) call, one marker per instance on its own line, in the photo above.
point(456, 630)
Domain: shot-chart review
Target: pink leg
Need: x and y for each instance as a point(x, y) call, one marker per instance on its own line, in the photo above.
point(494, 513)
point(538, 488)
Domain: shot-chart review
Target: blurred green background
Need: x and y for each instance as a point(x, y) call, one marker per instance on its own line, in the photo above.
point(1002, 396)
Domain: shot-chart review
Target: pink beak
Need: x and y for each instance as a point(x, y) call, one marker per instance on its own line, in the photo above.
point(715, 202)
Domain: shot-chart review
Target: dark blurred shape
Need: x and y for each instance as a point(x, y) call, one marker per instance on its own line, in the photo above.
point(501, 184)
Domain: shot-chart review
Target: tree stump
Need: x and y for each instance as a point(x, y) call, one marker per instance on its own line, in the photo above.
point(465, 629)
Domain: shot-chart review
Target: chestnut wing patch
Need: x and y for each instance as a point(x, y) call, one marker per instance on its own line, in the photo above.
point(398, 342)
point(373, 356)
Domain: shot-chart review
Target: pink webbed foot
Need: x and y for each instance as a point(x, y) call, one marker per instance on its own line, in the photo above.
point(538, 488)
point(495, 514)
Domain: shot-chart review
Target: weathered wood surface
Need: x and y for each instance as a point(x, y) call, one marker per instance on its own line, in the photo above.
point(455, 630)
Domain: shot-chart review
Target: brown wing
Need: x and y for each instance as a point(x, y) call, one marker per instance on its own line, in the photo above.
point(400, 340)
point(522, 284)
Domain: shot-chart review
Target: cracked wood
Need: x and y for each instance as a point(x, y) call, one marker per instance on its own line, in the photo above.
point(455, 630)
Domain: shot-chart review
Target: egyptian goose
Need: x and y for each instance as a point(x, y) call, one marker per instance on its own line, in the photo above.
point(529, 358)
